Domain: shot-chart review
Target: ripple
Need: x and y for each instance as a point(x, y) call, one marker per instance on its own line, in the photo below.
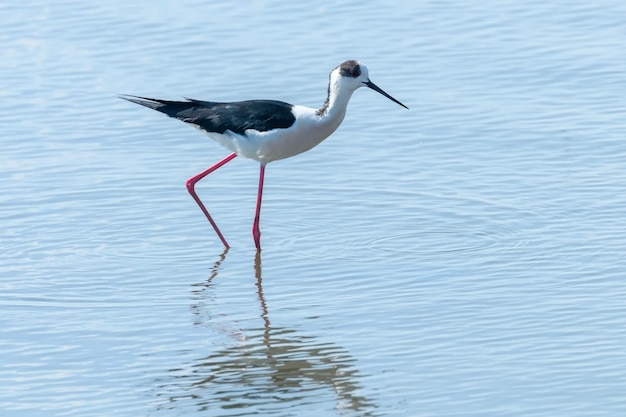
point(442, 226)
point(450, 241)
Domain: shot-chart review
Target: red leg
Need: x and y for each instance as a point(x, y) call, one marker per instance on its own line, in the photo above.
point(256, 232)
point(191, 182)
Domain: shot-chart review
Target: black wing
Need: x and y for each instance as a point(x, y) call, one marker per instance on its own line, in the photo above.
point(260, 115)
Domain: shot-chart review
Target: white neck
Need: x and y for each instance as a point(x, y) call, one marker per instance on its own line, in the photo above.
point(337, 100)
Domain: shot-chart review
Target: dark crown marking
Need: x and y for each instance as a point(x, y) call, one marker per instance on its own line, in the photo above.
point(350, 69)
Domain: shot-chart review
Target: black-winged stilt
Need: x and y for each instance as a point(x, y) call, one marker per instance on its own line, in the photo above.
point(266, 130)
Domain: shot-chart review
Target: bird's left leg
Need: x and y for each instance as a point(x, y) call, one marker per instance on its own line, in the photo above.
point(256, 232)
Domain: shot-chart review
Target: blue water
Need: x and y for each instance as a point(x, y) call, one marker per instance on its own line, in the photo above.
point(461, 258)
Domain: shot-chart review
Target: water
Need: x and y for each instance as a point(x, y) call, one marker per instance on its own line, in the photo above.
point(465, 257)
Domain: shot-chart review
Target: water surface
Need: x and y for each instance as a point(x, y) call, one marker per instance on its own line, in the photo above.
point(464, 257)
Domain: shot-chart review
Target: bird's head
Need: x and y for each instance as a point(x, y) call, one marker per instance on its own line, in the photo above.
point(353, 75)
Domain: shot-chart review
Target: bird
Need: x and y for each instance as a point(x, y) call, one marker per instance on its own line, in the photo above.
point(265, 130)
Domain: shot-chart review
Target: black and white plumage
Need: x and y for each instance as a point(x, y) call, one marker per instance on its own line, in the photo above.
point(266, 130)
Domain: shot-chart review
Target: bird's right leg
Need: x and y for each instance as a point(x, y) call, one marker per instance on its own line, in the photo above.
point(191, 182)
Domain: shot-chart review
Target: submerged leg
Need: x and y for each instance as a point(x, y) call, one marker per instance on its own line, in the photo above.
point(256, 232)
point(191, 182)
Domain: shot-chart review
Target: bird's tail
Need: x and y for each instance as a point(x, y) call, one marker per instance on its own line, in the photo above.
point(151, 103)
point(177, 109)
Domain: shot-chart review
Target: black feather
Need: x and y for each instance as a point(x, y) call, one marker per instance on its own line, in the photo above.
point(260, 115)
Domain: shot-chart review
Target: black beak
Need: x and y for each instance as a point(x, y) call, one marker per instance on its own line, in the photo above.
point(380, 90)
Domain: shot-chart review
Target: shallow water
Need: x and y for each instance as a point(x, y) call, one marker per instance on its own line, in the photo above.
point(465, 257)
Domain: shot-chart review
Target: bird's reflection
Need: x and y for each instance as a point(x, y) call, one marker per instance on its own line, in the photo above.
point(267, 370)
point(202, 295)
point(259, 284)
